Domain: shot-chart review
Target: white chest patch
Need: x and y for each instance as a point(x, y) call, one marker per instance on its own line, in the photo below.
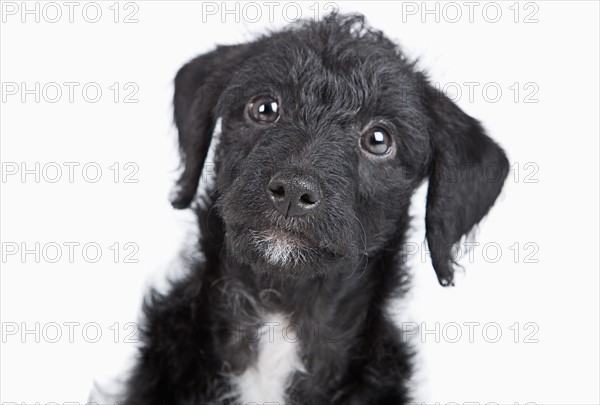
point(267, 380)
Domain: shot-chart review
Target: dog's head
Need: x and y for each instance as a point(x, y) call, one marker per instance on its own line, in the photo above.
point(326, 132)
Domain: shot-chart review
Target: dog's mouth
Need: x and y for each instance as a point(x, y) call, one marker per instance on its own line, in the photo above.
point(278, 248)
point(269, 242)
point(282, 248)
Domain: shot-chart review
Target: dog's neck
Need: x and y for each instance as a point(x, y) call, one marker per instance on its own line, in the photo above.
point(351, 290)
point(326, 308)
point(303, 296)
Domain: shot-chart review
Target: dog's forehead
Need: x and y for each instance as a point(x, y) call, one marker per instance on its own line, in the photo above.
point(328, 67)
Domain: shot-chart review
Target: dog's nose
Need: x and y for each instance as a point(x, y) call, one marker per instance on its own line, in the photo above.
point(294, 194)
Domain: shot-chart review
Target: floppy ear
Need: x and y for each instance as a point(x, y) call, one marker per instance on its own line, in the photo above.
point(468, 170)
point(198, 86)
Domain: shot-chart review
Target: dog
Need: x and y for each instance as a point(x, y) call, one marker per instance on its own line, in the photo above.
point(327, 129)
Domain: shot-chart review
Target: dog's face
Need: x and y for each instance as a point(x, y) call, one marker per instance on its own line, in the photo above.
point(326, 132)
point(315, 152)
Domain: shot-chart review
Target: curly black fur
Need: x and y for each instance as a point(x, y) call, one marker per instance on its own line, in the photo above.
point(333, 79)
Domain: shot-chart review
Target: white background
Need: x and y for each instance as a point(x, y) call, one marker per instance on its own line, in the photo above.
point(550, 199)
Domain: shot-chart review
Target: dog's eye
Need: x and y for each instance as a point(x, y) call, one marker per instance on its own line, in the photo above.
point(264, 109)
point(376, 141)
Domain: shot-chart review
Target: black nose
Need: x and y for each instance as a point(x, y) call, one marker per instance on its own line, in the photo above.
point(294, 194)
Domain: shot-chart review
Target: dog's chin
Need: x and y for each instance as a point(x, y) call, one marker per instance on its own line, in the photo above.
point(277, 251)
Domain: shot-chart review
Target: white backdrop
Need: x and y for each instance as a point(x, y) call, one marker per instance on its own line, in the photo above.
point(88, 157)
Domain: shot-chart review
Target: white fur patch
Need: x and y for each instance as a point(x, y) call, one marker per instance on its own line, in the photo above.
point(267, 380)
point(280, 248)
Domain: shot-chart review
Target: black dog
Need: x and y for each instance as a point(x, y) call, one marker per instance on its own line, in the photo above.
point(327, 130)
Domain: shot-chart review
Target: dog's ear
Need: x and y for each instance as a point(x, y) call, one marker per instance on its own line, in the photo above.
point(198, 86)
point(467, 172)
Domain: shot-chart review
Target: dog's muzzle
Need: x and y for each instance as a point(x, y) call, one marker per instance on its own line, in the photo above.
point(285, 220)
